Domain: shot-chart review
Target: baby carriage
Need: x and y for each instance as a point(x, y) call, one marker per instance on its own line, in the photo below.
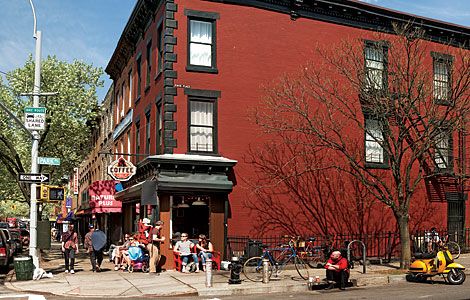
point(139, 260)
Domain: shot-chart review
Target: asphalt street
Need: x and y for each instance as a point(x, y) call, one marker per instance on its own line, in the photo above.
point(438, 290)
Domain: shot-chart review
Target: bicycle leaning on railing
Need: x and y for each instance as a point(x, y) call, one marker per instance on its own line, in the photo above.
point(314, 256)
point(278, 259)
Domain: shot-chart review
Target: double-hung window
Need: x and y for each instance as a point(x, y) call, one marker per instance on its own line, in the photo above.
point(129, 76)
point(149, 64)
point(147, 133)
point(443, 150)
point(375, 59)
point(374, 138)
point(442, 66)
point(139, 77)
point(202, 41)
point(160, 44)
point(159, 122)
point(202, 125)
point(137, 139)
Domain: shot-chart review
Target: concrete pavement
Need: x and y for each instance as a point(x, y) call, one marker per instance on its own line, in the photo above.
point(110, 283)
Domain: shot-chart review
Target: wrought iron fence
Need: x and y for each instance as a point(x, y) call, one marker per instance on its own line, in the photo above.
point(383, 246)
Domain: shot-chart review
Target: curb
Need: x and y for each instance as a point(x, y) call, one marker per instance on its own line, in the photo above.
point(259, 289)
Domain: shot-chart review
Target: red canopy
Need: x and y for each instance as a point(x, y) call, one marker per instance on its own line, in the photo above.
point(102, 197)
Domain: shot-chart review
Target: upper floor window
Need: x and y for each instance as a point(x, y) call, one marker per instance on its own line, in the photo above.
point(122, 98)
point(118, 106)
point(159, 123)
point(149, 63)
point(375, 59)
point(202, 41)
point(160, 44)
point(374, 150)
point(442, 66)
point(129, 144)
point(147, 133)
point(202, 130)
point(443, 150)
point(129, 76)
point(139, 76)
point(137, 139)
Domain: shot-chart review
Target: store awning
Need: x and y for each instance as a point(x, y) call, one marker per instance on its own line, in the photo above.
point(180, 182)
point(171, 181)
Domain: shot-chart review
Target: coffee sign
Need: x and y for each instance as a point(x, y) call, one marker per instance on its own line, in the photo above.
point(121, 169)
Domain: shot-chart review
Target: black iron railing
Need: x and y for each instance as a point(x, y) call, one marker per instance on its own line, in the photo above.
point(383, 246)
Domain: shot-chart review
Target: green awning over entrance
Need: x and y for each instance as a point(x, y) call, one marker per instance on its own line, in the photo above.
point(171, 181)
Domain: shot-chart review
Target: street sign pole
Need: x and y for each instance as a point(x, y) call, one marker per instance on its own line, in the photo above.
point(34, 149)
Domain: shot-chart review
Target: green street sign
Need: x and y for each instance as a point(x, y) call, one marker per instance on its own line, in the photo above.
point(52, 161)
point(35, 110)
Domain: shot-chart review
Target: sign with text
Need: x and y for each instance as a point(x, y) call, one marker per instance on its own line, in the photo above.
point(35, 118)
point(121, 169)
point(102, 197)
point(52, 161)
point(75, 181)
point(33, 177)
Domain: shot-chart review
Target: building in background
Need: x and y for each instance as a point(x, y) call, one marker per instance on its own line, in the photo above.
point(96, 202)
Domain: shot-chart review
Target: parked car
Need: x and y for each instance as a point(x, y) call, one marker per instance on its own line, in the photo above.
point(16, 236)
point(10, 243)
point(5, 255)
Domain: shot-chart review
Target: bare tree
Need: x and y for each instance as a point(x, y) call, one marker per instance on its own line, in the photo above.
point(295, 197)
point(382, 97)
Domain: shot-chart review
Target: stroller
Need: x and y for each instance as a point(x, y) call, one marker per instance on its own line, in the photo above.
point(139, 260)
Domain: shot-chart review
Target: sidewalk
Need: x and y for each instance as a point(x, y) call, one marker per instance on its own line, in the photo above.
point(171, 283)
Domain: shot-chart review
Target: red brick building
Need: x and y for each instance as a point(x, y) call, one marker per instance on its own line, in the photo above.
point(187, 73)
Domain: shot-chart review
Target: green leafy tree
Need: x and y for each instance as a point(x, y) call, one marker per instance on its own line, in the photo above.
point(70, 117)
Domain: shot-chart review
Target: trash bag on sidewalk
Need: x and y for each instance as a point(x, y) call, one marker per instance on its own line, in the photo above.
point(40, 273)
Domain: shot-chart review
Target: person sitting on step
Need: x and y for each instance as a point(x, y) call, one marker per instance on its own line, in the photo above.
point(183, 249)
point(337, 271)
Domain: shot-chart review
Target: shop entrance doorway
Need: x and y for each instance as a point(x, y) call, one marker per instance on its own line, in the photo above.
point(190, 215)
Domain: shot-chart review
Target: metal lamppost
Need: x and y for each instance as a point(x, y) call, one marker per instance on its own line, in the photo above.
point(35, 144)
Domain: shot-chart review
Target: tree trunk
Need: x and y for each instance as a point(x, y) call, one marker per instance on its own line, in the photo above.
point(405, 242)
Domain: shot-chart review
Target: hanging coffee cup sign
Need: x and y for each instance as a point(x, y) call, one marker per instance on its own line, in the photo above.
point(121, 169)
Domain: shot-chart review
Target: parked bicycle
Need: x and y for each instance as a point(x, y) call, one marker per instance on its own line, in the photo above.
point(278, 259)
point(314, 256)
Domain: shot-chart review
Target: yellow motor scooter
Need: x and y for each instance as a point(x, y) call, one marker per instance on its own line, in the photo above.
point(423, 267)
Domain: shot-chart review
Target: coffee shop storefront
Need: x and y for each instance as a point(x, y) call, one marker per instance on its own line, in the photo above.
point(188, 192)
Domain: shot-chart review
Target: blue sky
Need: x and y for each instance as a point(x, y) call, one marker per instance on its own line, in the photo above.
point(89, 30)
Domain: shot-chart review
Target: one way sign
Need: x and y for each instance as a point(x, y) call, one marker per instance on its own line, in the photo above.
point(40, 178)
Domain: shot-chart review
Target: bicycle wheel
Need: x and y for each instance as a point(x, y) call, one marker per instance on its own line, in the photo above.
point(301, 268)
point(253, 269)
point(454, 249)
point(313, 260)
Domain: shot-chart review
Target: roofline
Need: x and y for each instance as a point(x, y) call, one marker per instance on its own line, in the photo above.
point(354, 13)
point(436, 30)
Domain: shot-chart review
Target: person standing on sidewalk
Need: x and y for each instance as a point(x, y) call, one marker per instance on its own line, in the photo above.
point(98, 241)
point(89, 247)
point(155, 239)
point(70, 248)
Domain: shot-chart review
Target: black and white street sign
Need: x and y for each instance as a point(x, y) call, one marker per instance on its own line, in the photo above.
point(31, 177)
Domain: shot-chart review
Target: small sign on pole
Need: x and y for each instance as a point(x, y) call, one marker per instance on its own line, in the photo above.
point(33, 177)
point(52, 161)
point(35, 118)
